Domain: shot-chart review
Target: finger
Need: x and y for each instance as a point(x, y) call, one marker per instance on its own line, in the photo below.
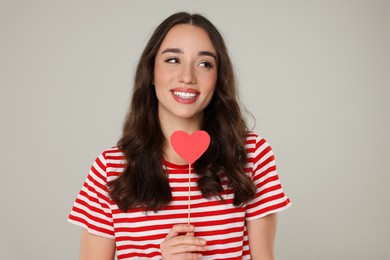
point(185, 240)
point(187, 256)
point(191, 249)
point(180, 228)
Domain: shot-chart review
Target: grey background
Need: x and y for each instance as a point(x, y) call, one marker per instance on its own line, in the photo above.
point(315, 74)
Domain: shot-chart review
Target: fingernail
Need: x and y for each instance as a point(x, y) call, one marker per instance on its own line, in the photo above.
point(191, 227)
point(202, 241)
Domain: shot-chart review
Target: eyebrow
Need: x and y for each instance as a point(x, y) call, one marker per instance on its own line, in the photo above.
point(201, 53)
point(207, 53)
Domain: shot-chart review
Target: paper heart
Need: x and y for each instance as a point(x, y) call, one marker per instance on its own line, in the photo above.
point(190, 146)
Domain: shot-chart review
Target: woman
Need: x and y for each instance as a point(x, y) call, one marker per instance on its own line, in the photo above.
point(134, 200)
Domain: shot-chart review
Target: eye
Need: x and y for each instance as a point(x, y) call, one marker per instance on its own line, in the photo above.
point(206, 64)
point(172, 60)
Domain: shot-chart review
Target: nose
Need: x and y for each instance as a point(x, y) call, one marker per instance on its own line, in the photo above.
point(187, 75)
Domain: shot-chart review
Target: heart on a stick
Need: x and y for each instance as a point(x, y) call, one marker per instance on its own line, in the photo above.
point(190, 146)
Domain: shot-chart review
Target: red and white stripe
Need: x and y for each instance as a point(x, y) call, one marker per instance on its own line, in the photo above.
point(138, 235)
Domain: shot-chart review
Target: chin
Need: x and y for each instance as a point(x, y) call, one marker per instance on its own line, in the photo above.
point(189, 115)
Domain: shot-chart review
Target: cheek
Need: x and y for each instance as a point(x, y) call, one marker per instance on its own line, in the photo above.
point(210, 82)
point(162, 74)
point(157, 74)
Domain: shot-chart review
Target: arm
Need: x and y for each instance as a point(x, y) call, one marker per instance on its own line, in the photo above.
point(94, 247)
point(261, 235)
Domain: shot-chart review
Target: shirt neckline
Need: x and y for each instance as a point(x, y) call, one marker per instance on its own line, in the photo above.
point(171, 165)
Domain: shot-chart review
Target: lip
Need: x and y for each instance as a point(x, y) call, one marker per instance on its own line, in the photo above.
point(185, 100)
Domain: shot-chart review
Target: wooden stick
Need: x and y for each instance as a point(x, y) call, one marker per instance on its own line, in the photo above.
point(189, 194)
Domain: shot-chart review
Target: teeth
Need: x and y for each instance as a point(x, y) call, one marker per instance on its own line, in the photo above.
point(184, 94)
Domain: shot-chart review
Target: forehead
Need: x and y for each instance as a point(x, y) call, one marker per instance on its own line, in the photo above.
point(188, 38)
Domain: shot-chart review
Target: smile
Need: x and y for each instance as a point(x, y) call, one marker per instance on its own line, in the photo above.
point(185, 95)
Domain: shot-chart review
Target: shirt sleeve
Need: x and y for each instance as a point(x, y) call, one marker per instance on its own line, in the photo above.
point(270, 197)
point(91, 209)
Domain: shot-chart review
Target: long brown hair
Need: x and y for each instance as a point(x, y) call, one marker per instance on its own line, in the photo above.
point(143, 182)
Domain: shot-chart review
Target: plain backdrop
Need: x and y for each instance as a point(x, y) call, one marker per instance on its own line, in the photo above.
point(315, 75)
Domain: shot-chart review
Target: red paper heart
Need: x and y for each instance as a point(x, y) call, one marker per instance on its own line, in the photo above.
point(190, 147)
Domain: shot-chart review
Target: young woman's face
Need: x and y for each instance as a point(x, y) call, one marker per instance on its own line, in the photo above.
point(185, 73)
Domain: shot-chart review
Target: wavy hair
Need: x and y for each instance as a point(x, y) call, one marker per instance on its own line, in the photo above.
point(143, 182)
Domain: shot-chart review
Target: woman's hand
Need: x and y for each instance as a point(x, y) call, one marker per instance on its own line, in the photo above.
point(181, 244)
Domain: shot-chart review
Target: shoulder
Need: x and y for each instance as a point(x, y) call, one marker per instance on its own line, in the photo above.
point(257, 147)
point(113, 153)
point(254, 141)
point(110, 163)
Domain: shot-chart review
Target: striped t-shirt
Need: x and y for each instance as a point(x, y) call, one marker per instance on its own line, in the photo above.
point(222, 225)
